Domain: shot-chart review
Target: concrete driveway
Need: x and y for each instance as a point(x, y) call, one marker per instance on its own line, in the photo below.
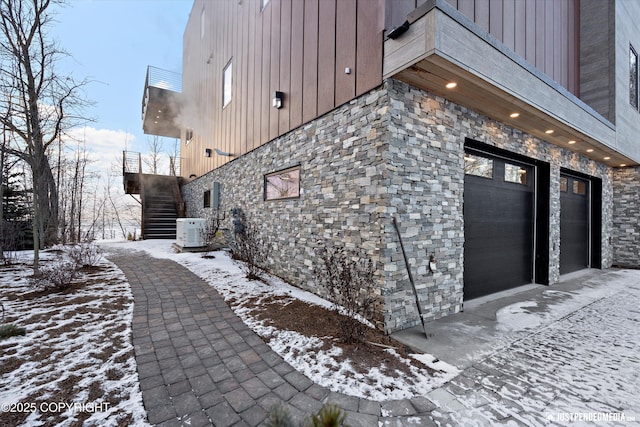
point(566, 354)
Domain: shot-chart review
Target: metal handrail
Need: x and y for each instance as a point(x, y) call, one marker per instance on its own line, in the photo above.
point(164, 79)
point(131, 162)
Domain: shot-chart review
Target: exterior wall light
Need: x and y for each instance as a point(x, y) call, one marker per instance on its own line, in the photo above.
point(278, 99)
point(207, 152)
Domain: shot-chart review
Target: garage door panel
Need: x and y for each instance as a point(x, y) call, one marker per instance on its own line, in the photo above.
point(499, 226)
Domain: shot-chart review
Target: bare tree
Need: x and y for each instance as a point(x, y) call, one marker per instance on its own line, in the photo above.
point(155, 153)
point(42, 105)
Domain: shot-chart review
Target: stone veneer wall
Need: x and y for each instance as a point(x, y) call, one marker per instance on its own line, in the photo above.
point(626, 222)
point(426, 160)
point(396, 152)
point(342, 195)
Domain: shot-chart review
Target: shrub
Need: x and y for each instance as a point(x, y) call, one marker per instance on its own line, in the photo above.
point(328, 416)
point(279, 416)
point(248, 245)
point(55, 277)
point(9, 330)
point(349, 282)
point(85, 254)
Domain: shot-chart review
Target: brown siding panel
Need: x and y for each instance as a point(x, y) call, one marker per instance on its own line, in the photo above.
point(274, 74)
point(345, 50)
point(265, 102)
point(285, 65)
point(495, 18)
point(310, 67)
point(369, 37)
point(508, 24)
point(481, 12)
point(520, 27)
point(327, 56)
point(297, 38)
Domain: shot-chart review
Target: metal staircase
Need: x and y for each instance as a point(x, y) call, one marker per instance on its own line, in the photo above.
point(160, 198)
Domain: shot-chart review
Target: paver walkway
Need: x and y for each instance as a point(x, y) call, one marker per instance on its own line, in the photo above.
point(199, 364)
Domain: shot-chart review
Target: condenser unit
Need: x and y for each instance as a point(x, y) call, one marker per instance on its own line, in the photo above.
point(190, 232)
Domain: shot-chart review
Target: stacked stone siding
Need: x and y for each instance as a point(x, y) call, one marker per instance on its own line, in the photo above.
point(626, 223)
point(395, 152)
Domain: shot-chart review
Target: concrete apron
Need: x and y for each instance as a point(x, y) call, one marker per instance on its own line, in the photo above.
point(491, 323)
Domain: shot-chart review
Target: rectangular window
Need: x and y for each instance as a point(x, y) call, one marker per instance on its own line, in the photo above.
point(564, 184)
point(514, 173)
point(188, 136)
point(227, 84)
point(478, 166)
point(579, 187)
point(633, 78)
point(202, 19)
point(207, 199)
point(265, 3)
point(284, 184)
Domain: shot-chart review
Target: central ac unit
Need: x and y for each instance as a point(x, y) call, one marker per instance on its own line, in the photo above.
point(190, 232)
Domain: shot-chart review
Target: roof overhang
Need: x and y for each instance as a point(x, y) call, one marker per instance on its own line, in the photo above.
point(443, 46)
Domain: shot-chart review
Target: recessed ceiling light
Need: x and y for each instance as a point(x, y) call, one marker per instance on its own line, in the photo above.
point(623, 165)
point(548, 132)
point(572, 142)
point(607, 158)
point(159, 111)
point(451, 85)
point(589, 150)
point(514, 115)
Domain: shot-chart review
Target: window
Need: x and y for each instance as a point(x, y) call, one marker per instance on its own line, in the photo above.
point(188, 136)
point(514, 173)
point(265, 3)
point(478, 166)
point(202, 19)
point(633, 78)
point(284, 184)
point(579, 187)
point(207, 199)
point(227, 84)
point(564, 184)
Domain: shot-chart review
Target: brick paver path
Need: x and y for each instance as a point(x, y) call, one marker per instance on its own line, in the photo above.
point(199, 364)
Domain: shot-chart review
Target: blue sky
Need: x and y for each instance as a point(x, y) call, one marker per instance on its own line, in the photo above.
point(111, 43)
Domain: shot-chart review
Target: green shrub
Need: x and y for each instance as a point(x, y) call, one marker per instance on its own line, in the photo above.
point(9, 330)
point(328, 416)
point(279, 416)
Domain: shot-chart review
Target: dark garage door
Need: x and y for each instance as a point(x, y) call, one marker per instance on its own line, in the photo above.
point(574, 223)
point(498, 224)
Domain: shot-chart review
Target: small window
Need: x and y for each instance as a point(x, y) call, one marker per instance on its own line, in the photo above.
point(579, 187)
point(478, 166)
point(265, 3)
point(633, 78)
point(284, 184)
point(564, 184)
point(207, 199)
point(227, 84)
point(514, 173)
point(202, 21)
point(188, 136)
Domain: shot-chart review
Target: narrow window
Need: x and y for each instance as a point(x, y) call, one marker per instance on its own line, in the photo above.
point(478, 166)
point(633, 78)
point(207, 199)
point(564, 184)
point(227, 84)
point(202, 19)
point(265, 3)
point(188, 137)
point(514, 173)
point(284, 184)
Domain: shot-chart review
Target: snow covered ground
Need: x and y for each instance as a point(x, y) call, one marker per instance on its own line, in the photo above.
point(76, 362)
point(308, 355)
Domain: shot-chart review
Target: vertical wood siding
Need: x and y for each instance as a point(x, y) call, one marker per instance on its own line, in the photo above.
point(543, 32)
point(298, 47)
